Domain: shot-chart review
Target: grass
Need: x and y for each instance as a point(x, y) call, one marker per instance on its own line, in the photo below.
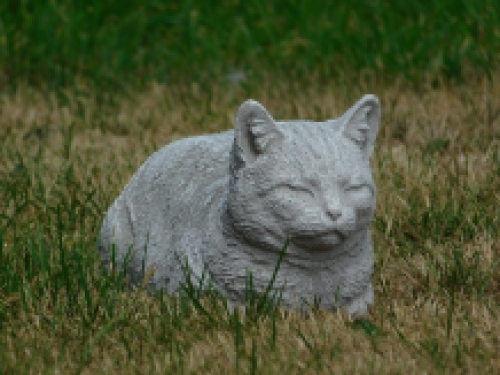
point(110, 44)
point(69, 143)
point(67, 154)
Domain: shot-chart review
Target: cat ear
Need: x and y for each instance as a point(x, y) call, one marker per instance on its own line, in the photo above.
point(361, 122)
point(255, 130)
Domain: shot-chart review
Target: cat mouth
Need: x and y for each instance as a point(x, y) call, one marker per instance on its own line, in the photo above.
point(319, 241)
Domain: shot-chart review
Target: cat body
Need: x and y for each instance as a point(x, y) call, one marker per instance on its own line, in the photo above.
point(226, 203)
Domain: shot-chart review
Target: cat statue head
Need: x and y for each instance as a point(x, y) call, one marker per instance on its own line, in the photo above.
point(310, 181)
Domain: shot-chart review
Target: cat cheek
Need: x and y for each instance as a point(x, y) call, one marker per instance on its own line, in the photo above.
point(280, 210)
point(364, 201)
point(365, 214)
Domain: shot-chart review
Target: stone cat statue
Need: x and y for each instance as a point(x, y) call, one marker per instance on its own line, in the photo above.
point(227, 202)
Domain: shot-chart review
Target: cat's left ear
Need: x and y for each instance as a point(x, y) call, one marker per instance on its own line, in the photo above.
point(361, 122)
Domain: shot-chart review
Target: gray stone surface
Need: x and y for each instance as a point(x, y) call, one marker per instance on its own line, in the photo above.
point(228, 202)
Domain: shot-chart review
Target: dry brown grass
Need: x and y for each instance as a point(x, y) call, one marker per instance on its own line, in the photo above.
point(437, 169)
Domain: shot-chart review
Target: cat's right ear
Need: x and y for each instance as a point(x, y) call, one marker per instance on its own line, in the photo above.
point(255, 130)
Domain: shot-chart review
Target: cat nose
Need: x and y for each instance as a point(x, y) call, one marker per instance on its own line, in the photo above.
point(333, 205)
point(334, 212)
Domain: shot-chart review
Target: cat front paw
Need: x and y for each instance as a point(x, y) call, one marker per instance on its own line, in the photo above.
point(360, 305)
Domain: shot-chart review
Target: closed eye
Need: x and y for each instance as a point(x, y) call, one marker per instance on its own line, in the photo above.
point(295, 188)
point(360, 189)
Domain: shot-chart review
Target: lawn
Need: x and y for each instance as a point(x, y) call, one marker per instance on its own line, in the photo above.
point(75, 124)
